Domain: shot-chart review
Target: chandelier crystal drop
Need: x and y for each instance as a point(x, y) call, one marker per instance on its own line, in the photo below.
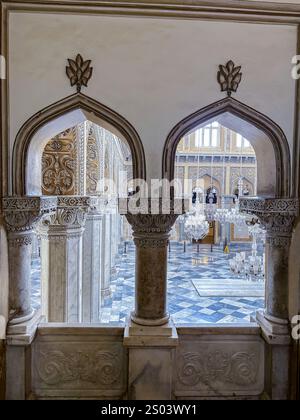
point(235, 216)
point(221, 215)
point(196, 226)
point(253, 266)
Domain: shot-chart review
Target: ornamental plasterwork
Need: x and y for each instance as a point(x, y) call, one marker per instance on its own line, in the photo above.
point(92, 163)
point(59, 165)
point(276, 215)
point(209, 368)
point(195, 173)
point(22, 213)
point(79, 72)
point(248, 173)
point(229, 77)
point(152, 230)
point(71, 212)
point(59, 367)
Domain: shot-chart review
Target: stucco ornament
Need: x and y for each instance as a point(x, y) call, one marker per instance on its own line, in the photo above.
point(79, 72)
point(229, 77)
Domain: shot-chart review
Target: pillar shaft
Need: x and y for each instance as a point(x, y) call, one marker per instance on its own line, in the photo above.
point(91, 267)
point(61, 259)
point(19, 251)
point(277, 270)
point(21, 216)
point(151, 236)
point(151, 280)
point(106, 256)
point(278, 217)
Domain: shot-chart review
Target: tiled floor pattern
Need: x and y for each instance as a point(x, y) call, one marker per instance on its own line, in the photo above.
point(184, 302)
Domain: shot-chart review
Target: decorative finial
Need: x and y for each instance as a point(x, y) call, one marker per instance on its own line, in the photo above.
point(229, 77)
point(79, 72)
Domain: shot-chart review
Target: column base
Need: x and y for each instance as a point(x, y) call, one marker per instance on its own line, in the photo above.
point(23, 333)
point(149, 322)
point(275, 330)
point(21, 318)
point(136, 335)
point(277, 336)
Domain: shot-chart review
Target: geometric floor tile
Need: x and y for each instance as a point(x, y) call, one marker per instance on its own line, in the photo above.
point(184, 303)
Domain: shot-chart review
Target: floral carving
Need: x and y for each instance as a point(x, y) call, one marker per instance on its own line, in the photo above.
point(22, 213)
point(58, 165)
point(238, 368)
point(79, 72)
point(58, 367)
point(92, 164)
point(229, 77)
point(276, 215)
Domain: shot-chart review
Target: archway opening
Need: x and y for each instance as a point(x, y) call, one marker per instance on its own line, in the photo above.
point(84, 160)
point(216, 275)
point(68, 112)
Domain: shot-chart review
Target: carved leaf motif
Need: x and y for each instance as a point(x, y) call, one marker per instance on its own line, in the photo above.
point(229, 77)
point(58, 165)
point(79, 72)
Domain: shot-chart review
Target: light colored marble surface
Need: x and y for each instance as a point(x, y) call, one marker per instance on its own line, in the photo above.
point(91, 268)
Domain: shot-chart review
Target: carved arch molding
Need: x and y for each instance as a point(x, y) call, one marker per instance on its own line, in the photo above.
point(246, 113)
point(74, 102)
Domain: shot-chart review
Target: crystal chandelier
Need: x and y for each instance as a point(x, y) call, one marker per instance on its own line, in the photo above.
point(235, 216)
point(210, 207)
point(253, 266)
point(221, 215)
point(196, 226)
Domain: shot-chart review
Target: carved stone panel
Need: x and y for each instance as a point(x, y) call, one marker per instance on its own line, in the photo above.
point(80, 363)
point(221, 366)
point(59, 165)
point(92, 164)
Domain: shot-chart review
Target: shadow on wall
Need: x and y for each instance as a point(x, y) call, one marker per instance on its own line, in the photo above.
point(3, 305)
point(2, 370)
point(3, 280)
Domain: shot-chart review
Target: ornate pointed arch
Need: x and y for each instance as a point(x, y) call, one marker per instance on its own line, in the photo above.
point(71, 103)
point(232, 106)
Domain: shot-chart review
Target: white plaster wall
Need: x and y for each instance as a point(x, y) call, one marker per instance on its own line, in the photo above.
point(153, 71)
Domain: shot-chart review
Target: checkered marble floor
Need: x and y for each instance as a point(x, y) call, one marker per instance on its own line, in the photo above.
point(184, 302)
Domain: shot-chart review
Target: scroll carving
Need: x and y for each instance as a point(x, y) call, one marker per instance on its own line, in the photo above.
point(93, 164)
point(237, 368)
point(58, 367)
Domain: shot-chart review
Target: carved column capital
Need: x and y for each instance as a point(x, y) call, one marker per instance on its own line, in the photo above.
point(152, 220)
point(21, 214)
point(277, 215)
point(70, 214)
point(151, 230)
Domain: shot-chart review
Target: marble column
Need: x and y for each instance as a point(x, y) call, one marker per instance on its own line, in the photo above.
point(106, 255)
point(61, 260)
point(150, 335)
point(92, 263)
point(151, 237)
point(278, 217)
point(21, 216)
